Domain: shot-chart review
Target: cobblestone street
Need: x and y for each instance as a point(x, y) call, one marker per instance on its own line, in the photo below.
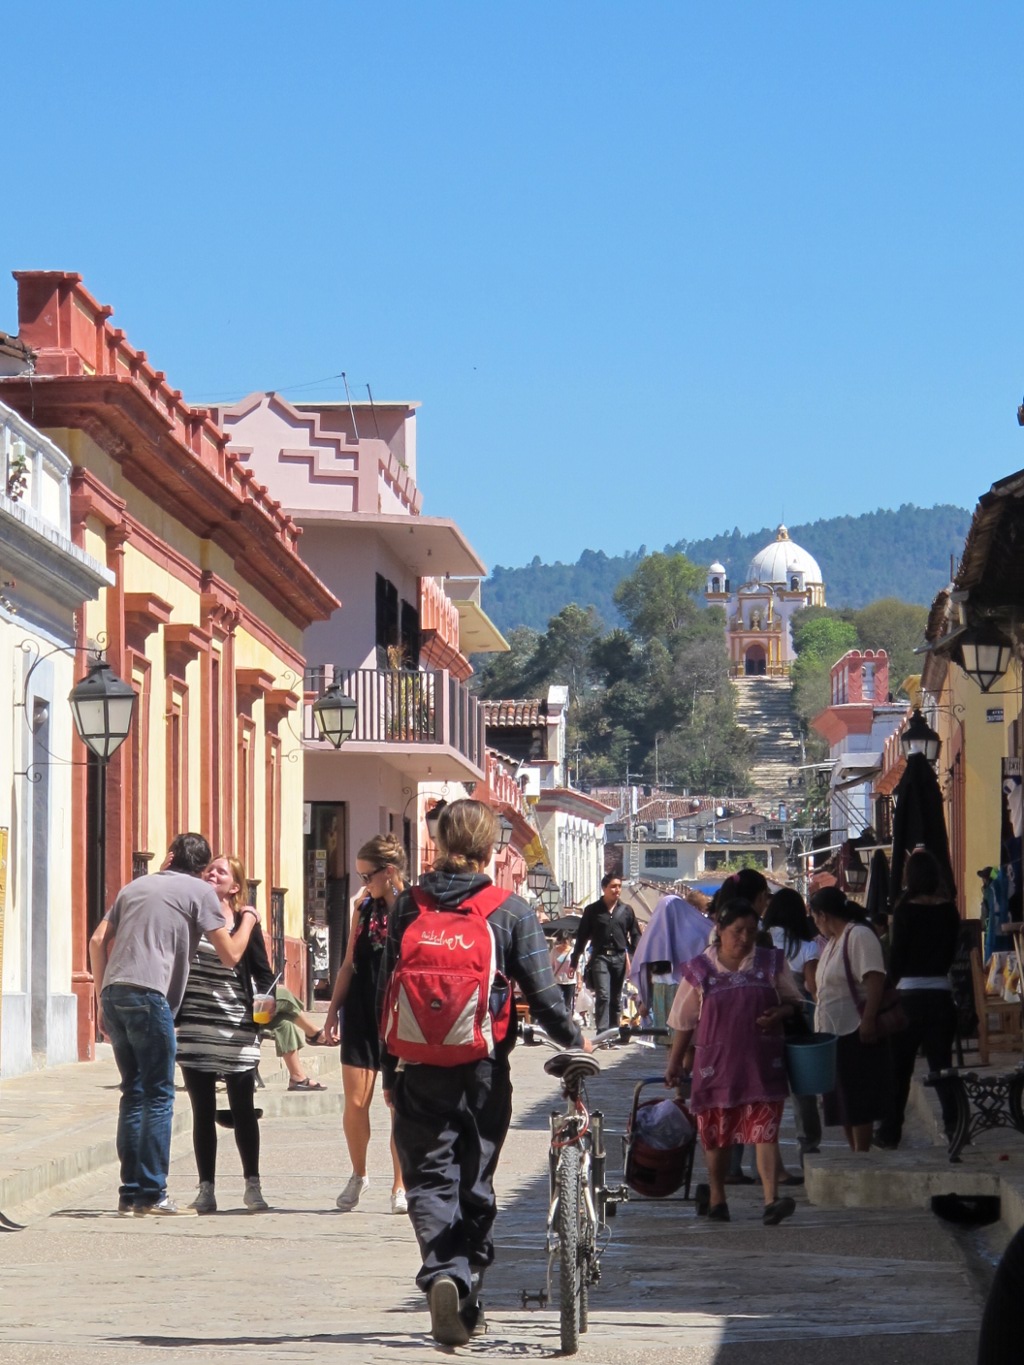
point(307, 1283)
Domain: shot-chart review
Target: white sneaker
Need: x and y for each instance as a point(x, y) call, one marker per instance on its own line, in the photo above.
point(253, 1196)
point(166, 1208)
point(205, 1201)
point(399, 1203)
point(353, 1192)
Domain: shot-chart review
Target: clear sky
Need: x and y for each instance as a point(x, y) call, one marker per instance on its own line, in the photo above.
point(654, 270)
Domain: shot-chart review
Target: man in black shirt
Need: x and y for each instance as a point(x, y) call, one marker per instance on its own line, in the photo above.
point(612, 932)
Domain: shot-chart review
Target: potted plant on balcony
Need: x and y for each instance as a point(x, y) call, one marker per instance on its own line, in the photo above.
point(408, 699)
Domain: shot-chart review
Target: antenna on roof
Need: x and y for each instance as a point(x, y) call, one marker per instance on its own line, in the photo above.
point(374, 411)
point(351, 409)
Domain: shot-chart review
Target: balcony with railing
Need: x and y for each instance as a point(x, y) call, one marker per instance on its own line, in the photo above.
point(426, 723)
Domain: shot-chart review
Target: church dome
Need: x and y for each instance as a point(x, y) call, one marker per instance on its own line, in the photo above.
point(781, 560)
point(717, 568)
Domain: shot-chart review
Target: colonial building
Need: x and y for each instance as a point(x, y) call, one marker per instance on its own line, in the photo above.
point(44, 580)
point(203, 611)
point(856, 725)
point(409, 585)
point(780, 579)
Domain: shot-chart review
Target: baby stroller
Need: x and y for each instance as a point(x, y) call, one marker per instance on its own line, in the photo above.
point(650, 1167)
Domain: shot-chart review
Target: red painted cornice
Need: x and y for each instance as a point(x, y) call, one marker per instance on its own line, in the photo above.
point(849, 718)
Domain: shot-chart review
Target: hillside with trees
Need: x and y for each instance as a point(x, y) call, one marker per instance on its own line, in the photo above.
point(652, 698)
point(904, 553)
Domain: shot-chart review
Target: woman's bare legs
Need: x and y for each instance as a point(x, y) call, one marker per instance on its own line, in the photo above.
point(358, 1084)
point(859, 1137)
point(769, 1164)
point(717, 1159)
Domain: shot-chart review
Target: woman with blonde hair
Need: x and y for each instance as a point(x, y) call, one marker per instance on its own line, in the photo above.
point(451, 1118)
point(381, 863)
point(217, 1037)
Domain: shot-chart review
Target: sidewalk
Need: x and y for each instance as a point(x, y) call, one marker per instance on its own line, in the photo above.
point(59, 1123)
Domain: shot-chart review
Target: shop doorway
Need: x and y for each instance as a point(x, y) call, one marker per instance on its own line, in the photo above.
point(326, 891)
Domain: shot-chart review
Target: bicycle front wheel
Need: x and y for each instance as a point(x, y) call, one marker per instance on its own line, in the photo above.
point(570, 1260)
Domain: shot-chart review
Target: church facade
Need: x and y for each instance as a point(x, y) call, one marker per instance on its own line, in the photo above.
point(780, 580)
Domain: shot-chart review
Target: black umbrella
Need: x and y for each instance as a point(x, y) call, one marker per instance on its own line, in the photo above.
point(918, 820)
point(567, 924)
point(878, 886)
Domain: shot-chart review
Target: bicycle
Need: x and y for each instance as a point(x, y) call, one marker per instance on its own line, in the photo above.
point(579, 1201)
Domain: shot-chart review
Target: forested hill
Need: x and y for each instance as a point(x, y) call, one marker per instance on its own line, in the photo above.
point(903, 553)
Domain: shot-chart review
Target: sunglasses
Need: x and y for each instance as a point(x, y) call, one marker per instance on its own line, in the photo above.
point(369, 876)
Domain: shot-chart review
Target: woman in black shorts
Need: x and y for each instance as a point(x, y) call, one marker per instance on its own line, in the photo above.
point(381, 864)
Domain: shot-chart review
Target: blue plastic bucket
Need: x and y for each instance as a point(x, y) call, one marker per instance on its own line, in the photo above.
point(811, 1063)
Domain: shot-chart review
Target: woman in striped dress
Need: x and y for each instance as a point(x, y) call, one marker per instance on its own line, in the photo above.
point(217, 1038)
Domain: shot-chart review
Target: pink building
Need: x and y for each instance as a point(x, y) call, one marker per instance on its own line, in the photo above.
point(409, 588)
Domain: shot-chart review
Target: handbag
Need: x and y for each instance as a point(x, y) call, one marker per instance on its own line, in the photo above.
point(891, 1017)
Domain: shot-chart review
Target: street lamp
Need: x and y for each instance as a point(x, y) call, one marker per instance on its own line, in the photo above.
point(920, 738)
point(855, 872)
point(985, 654)
point(432, 816)
point(551, 899)
point(538, 877)
point(102, 707)
point(334, 712)
point(505, 832)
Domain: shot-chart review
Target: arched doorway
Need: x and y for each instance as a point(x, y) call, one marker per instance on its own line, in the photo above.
point(755, 661)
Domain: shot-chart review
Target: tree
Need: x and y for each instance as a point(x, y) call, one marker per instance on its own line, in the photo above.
point(565, 651)
point(659, 597)
point(898, 628)
point(511, 674)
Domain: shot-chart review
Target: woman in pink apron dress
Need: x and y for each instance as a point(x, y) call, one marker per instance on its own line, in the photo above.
point(730, 1005)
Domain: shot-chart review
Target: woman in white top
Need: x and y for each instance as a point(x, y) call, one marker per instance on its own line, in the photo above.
point(789, 924)
point(850, 982)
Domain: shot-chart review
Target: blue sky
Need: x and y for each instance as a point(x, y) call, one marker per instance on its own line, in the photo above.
point(654, 270)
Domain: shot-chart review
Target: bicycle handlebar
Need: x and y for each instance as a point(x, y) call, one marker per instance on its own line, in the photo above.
point(532, 1034)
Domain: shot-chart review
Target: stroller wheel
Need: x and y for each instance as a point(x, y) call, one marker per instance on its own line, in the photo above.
point(702, 1199)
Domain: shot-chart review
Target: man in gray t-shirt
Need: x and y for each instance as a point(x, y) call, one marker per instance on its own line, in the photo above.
point(140, 956)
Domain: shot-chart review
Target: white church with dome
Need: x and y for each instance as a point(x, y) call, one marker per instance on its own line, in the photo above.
point(780, 580)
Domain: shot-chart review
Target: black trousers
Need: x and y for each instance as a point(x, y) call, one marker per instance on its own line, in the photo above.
point(450, 1124)
point(932, 1026)
point(608, 973)
point(202, 1091)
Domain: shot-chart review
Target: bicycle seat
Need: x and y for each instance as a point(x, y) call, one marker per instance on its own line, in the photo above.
point(573, 1060)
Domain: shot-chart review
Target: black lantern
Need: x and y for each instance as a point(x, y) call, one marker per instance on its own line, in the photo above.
point(920, 738)
point(985, 654)
point(551, 899)
point(538, 877)
point(432, 817)
point(102, 707)
point(335, 715)
point(855, 872)
point(504, 834)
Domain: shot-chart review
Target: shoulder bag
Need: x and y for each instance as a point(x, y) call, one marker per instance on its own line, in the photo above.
point(891, 1017)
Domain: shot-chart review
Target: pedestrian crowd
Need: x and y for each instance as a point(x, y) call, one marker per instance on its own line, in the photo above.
point(425, 998)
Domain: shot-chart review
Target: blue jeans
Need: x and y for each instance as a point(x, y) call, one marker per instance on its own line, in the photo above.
point(141, 1030)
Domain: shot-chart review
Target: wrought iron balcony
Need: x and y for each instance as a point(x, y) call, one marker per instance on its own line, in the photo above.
point(403, 707)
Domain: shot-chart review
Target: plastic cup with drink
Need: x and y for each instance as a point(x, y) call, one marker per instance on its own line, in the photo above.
point(264, 1005)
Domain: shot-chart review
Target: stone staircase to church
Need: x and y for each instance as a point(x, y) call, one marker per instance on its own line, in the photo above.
point(764, 706)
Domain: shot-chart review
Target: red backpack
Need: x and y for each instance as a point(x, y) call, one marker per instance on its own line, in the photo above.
point(438, 1006)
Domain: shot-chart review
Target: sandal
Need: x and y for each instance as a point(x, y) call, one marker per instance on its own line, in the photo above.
point(307, 1084)
point(317, 1039)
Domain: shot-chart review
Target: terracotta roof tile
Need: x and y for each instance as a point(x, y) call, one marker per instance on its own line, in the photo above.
point(513, 714)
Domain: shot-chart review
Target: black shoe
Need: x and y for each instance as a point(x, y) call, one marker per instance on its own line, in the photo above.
point(473, 1317)
point(793, 1180)
point(777, 1210)
point(719, 1213)
point(740, 1178)
point(884, 1143)
point(446, 1323)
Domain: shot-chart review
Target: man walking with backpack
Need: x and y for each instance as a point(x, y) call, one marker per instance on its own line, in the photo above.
point(456, 944)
